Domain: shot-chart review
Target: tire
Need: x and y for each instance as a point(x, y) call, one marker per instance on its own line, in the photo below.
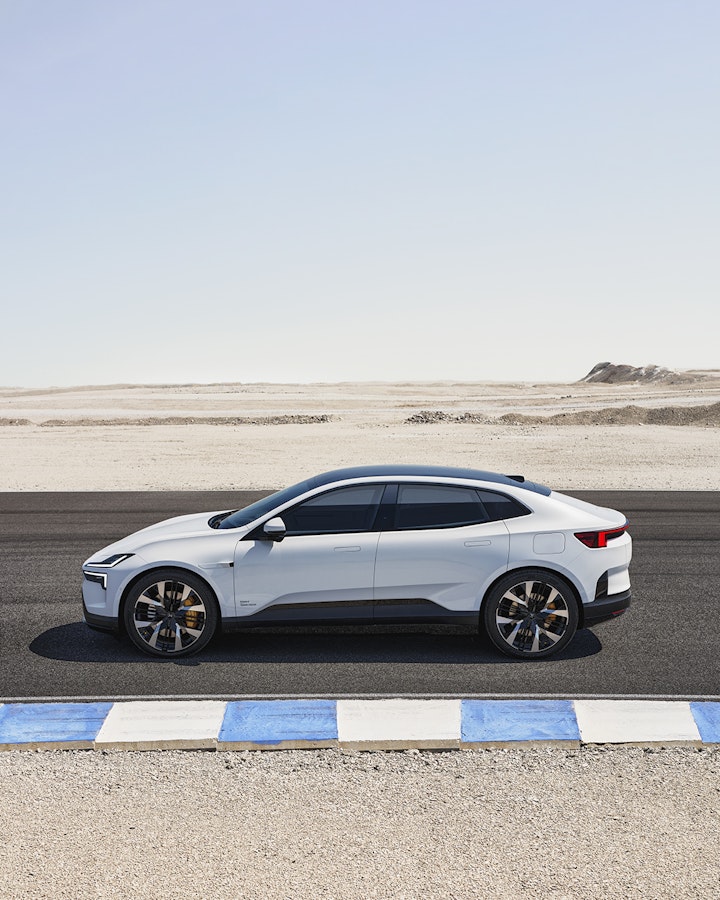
point(170, 613)
point(531, 614)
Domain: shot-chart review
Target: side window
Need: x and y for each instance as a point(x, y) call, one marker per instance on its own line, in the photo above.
point(437, 506)
point(344, 509)
point(500, 506)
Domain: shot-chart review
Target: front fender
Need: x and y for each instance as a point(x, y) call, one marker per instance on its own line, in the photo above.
point(218, 576)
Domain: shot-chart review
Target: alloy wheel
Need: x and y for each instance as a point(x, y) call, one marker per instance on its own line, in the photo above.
point(531, 617)
point(169, 616)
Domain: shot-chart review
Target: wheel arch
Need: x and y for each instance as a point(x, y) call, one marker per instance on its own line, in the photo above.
point(535, 568)
point(181, 570)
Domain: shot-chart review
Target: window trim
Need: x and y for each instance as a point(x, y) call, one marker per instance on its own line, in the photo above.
point(386, 513)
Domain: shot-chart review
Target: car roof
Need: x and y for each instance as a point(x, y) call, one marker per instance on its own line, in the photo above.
point(393, 471)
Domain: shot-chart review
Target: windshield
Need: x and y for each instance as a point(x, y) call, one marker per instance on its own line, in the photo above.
point(267, 504)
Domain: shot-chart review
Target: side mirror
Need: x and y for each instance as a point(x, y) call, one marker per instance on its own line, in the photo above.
point(275, 529)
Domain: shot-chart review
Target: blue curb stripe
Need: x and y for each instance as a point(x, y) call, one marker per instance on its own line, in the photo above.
point(518, 720)
point(274, 721)
point(707, 719)
point(27, 723)
point(271, 723)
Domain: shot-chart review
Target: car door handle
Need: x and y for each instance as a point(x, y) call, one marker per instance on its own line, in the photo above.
point(478, 543)
point(346, 549)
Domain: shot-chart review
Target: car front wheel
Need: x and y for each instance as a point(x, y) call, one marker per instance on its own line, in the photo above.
point(531, 614)
point(170, 613)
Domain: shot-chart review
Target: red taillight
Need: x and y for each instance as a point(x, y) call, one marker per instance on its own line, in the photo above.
point(597, 539)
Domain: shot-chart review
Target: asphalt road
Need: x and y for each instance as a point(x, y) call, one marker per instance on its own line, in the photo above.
point(665, 645)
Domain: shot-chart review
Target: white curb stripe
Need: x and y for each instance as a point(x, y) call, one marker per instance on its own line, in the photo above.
point(160, 724)
point(393, 723)
point(398, 723)
point(635, 721)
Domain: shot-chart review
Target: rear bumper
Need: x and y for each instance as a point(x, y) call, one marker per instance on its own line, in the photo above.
point(606, 608)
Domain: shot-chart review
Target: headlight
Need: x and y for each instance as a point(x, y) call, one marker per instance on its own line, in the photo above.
point(111, 560)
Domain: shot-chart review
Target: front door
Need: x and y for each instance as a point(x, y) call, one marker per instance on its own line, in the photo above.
point(322, 570)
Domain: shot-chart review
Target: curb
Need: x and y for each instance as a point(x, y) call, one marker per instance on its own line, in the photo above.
point(392, 724)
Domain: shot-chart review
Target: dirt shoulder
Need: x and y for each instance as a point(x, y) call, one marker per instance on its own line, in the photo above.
point(540, 823)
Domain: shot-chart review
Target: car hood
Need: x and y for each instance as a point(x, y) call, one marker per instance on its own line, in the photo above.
point(179, 526)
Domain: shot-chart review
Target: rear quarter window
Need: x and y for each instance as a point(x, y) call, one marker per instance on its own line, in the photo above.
point(500, 506)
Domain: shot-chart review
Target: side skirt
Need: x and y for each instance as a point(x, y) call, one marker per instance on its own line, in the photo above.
point(364, 612)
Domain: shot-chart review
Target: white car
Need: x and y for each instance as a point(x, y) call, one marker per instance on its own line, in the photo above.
point(375, 544)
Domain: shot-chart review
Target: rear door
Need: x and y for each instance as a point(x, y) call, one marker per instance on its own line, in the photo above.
point(437, 554)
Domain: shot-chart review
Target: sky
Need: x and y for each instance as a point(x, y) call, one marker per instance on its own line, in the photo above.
point(325, 190)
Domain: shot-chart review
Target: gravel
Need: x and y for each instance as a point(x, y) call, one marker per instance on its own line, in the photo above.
point(520, 823)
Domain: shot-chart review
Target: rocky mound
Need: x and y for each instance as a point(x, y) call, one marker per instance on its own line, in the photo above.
point(431, 416)
point(609, 373)
point(706, 415)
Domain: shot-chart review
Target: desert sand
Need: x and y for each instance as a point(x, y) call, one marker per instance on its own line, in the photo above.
point(256, 436)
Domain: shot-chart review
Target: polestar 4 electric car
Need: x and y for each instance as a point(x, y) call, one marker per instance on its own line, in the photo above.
point(371, 545)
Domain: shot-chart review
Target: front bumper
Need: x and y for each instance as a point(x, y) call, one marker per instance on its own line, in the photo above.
point(605, 608)
point(100, 623)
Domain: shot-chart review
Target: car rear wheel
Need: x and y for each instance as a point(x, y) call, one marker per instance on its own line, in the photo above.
point(531, 614)
point(170, 613)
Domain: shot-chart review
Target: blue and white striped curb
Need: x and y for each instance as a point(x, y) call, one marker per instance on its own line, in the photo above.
point(355, 724)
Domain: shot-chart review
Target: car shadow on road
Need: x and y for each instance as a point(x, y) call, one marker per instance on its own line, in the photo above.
point(434, 645)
